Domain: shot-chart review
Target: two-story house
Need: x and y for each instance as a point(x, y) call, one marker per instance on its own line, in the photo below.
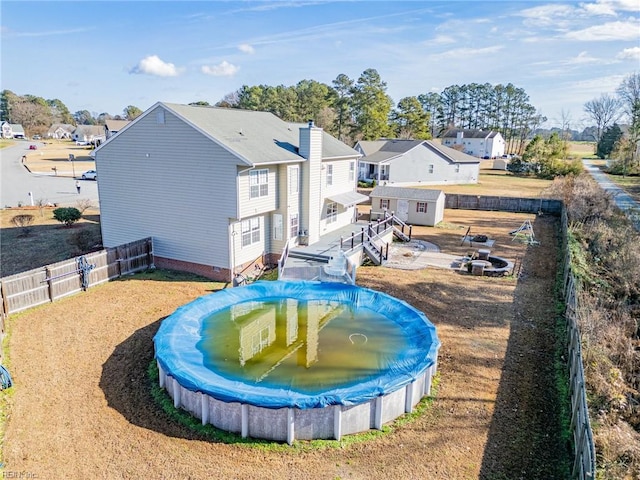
point(219, 189)
point(478, 143)
point(414, 162)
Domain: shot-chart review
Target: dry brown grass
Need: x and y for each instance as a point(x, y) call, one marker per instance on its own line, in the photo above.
point(82, 408)
point(55, 154)
point(48, 241)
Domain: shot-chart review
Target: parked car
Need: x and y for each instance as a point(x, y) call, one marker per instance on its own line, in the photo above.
point(90, 175)
point(33, 147)
point(36, 137)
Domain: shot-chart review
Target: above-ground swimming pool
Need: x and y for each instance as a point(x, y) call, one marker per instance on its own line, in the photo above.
point(296, 360)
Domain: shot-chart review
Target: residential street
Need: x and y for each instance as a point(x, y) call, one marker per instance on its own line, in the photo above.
point(17, 182)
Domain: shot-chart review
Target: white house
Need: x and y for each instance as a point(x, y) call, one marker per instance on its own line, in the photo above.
point(85, 134)
point(12, 130)
point(479, 143)
point(416, 206)
point(414, 162)
point(222, 189)
point(60, 130)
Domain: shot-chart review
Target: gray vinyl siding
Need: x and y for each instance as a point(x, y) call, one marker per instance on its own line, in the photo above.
point(180, 193)
point(412, 168)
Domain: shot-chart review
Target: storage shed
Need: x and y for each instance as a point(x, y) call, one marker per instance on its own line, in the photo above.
point(415, 206)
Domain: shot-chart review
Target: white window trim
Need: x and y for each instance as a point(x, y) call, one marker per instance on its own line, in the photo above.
point(332, 212)
point(293, 232)
point(329, 175)
point(259, 183)
point(250, 232)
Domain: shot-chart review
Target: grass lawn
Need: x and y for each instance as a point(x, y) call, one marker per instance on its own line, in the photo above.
point(55, 154)
point(631, 185)
point(48, 240)
point(82, 401)
point(499, 183)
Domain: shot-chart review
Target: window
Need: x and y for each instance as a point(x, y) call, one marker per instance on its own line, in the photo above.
point(293, 225)
point(277, 226)
point(332, 212)
point(352, 171)
point(259, 183)
point(431, 168)
point(422, 207)
point(250, 231)
point(160, 117)
point(329, 175)
point(384, 203)
point(294, 180)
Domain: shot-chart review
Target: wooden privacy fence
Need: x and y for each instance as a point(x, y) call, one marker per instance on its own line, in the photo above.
point(584, 465)
point(504, 204)
point(49, 283)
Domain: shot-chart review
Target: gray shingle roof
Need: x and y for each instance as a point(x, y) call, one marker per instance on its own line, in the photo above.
point(258, 137)
point(421, 194)
point(378, 151)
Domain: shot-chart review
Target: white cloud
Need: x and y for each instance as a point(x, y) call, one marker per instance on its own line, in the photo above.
point(607, 32)
point(153, 65)
point(632, 53)
point(581, 59)
point(223, 69)
point(443, 39)
point(599, 8)
point(547, 15)
point(467, 52)
point(246, 48)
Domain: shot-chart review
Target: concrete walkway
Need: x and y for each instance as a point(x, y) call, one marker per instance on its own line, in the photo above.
point(623, 200)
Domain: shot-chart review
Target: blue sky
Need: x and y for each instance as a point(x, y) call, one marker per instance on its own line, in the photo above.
point(103, 56)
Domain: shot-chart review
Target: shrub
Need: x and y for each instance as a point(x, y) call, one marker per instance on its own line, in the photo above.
point(24, 222)
point(67, 215)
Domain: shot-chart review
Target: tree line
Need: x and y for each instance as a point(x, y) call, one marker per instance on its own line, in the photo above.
point(350, 109)
point(361, 109)
point(37, 114)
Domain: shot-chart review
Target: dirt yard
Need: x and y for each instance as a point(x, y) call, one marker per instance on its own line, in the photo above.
point(81, 405)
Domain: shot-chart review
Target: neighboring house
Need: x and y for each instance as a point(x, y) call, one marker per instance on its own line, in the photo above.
point(479, 143)
point(12, 130)
point(414, 162)
point(60, 130)
point(111, 127)
point(415, 206)
point(85, 134)
point(221, 189)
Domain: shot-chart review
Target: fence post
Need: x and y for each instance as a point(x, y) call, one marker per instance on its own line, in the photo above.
point(47, 272)
point(5, 302)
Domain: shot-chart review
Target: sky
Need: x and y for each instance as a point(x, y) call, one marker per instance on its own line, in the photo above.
point(104, 56)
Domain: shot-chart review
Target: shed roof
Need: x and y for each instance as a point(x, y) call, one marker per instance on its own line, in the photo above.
point(422, 194)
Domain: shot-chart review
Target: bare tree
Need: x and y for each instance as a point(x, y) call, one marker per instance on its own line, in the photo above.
point(604, 111)
point(23, 222)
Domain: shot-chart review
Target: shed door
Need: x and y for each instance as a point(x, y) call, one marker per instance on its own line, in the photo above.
point(403, 210)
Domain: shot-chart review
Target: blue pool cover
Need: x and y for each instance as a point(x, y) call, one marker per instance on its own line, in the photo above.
point(177, 339)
